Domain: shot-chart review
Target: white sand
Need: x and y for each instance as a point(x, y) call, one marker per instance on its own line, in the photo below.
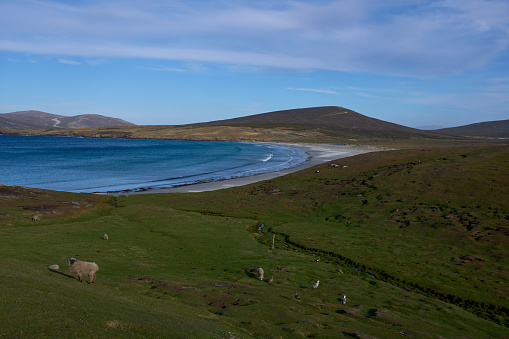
point(319, 153)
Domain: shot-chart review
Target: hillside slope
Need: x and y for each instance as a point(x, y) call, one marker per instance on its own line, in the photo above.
point(488, 129)
point(43, 120)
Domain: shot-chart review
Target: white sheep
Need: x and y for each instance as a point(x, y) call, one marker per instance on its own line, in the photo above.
point(83, 268)
point(260, 273)
point(36, 218)
point(105, 236)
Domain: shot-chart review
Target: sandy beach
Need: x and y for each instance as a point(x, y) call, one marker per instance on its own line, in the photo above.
point(318, 154)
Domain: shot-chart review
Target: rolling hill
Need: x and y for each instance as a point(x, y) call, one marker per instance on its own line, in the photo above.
point(331, 120)
point(43, 120)
point(328, 124)
point(489, 129)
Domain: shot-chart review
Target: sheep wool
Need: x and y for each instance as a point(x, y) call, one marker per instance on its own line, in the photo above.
point(83, 268)
point(260, 273)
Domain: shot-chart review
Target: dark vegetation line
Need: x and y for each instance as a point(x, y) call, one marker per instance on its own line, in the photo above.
point(494, 313)
point(370, 186)
point(488, 311)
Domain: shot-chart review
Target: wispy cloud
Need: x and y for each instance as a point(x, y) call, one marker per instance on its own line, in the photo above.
point(395, 37)
point(485, 104)
point(69, 62)
point(326, 91)
point(96, 62)
point(90, 62)
point(186, 68)
point(165, 69)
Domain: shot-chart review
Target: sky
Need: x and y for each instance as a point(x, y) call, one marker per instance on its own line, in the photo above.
point(418, 63)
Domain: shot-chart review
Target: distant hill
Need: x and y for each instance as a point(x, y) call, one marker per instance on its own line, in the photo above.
point(332, 120)
point(330, 124)
point(42, 120)
point(489, 129)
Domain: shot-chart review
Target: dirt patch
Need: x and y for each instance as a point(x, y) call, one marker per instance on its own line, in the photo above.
point(165, 286)
point(228, 285)
point(117, 325)
point(468, 259)
point(383, 316)
point(39, 208)
point(45, 203)
point(12, 193)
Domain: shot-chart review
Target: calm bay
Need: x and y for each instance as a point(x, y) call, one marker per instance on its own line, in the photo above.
point(92, 165)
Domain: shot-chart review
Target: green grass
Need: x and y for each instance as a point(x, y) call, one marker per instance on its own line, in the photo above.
point(412, 214)
point(178, 265)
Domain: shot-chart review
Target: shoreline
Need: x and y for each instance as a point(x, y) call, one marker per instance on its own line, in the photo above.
point(318, 154)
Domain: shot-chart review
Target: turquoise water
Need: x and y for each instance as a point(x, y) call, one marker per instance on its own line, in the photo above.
point(110, 165)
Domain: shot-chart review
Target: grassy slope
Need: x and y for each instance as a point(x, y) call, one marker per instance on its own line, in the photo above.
point(168, 270)
point(436, 218)
point(491, 129)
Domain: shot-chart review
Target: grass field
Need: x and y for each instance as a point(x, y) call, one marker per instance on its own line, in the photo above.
point(421, 236)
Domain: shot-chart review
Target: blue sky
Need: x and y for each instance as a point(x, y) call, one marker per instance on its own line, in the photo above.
point(411, 62)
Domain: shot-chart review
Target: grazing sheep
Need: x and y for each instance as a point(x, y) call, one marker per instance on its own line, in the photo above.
point(36, 218)
point(315, 285)
point(260, 273)
point(105, 236)
point(83, 268)
point(343, 301)
point(54, 267)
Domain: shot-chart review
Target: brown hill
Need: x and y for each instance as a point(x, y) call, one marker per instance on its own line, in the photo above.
point(489, 129)
point(42, 120)
point(329, 124)
point(331, 120)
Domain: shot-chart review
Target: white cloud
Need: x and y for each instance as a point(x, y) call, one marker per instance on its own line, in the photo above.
point(326, 91)
point(69, 62)
point(187, 68)
point(109, 50)
point(96, 62)
point(401, 37)
point(165, 69)
point(485, 105)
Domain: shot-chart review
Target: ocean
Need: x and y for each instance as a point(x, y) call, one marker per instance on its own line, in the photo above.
point(93, 165)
